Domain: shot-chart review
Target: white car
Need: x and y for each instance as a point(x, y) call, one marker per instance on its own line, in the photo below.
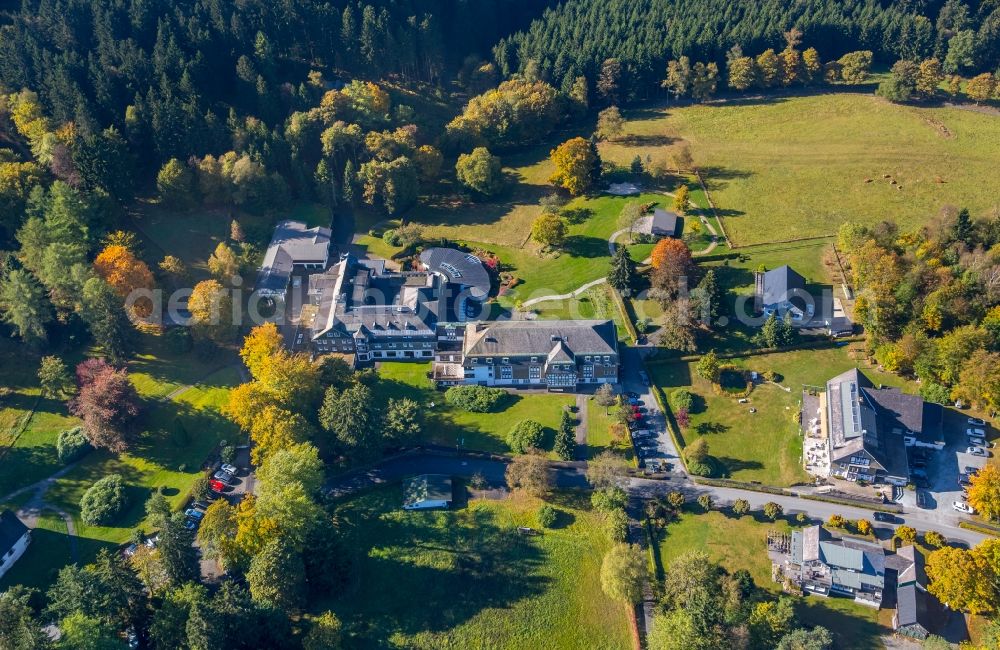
point(975, 432)
point(977, 451)
point(232, 469)
point(962, 506)
point(978, 442)
point(976, 422)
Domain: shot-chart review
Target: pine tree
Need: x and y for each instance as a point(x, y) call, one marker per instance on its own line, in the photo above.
point(622, 272)
point(565, 445)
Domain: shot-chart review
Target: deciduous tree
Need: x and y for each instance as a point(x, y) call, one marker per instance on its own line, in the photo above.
point(108, 404)
point(126, 274)
point(623, 573)
point(529, 472)
point(549, 229)
point(578, 166)
point(984, 491)
point(610, 124)
point(480, 171)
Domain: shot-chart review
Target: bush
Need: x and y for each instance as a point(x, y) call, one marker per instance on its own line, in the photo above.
point(934, 538)
point(200, 489)
point(700, 469)
point(547, 516)
point(525, 435)
point(104, 501)
point(681, 399)
point(773, 510)
point(390, 237)
point(72, 445)
point(478, 399)
point(609, 499)
point(741, 507)
point(836, 521)
point(228, 454)
point(616, 523)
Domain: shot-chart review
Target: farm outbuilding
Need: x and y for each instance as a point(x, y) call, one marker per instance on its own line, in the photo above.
point(427, 491)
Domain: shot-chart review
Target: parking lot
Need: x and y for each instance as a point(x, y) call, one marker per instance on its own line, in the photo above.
point(943, 469)
point(653, 445)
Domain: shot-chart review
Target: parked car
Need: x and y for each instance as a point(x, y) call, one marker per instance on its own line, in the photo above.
point(632, 395)
point(978, 433)
point(223, 476)
point(972, 471)
point(884, 517)
point(194, 514)
point(962, 506)
point(978, 442)
point(190, 524)
point(963, 480)
point(922, 501)
point(232, 469)
point(201, 505)
point(977, 451)
point(216, 485)
point(976, 422)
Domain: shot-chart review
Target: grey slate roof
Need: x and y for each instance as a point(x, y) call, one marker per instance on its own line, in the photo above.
point(779, 283)
point(11, 530)
point(663, 222)
point(866, 419)
point(292, 243)
point(539, 337)
point(462, 269)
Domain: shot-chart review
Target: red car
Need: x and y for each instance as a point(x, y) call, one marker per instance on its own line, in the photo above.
point(217, 486)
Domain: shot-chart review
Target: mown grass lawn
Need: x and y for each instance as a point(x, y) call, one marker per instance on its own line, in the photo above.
point(797, 166)
point(741, 543)
point(765, 446)
point(465, 578)
point(480, 431)
point(177, 437)
point(596, 303)
point(599, 439)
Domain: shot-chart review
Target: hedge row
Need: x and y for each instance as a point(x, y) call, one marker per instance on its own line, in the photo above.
point(985, 529)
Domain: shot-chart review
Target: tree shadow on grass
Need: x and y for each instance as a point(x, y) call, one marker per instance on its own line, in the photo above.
point(717, 177)
point(704, 428)
point(849, 631)
point(449, 566)
point(584, 246)
point(738, 464)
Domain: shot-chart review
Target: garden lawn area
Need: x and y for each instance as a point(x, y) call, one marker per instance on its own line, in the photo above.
point(596, 303)
point(797, 166)
point(765, 446)
point(156, 371)
point(466, 579)
point(741, 543)
point(599, 421)
point(177, 437)
point(480, 431)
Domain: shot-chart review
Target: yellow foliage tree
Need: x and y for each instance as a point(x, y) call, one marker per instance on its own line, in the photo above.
point(681, 198)
point(274, 429)
point(262, 344)
point(125, 273)
point(984, 492)
point(211, 309)
point(962, 580)
point(577, 166)
point(223, 263)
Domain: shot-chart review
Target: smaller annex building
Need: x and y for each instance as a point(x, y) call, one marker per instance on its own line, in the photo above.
point(427, 491)
point(14, 540)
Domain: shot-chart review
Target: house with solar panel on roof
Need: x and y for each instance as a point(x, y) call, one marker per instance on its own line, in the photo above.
point(869, 428)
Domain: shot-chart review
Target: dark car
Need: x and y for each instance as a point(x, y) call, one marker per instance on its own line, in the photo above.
point(884, 517)
point(922, 500)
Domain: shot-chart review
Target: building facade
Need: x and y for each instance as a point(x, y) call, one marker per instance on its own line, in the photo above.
point(557, 355)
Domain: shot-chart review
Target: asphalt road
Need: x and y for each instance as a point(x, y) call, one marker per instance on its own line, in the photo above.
point(572, 475)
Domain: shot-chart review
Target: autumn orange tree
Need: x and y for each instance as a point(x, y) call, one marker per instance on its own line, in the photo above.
point(126, 273)
point(578, 166)
point(671, 260)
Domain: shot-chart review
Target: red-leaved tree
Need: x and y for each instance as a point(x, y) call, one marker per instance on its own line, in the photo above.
point(107, 403)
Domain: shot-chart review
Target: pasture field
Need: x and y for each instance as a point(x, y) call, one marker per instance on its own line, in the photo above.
point(790, 167)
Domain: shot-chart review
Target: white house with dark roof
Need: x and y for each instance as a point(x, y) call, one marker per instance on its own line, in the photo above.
point(14, 540)
point(293, 245)
point(561, 355)
point(662, 223)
